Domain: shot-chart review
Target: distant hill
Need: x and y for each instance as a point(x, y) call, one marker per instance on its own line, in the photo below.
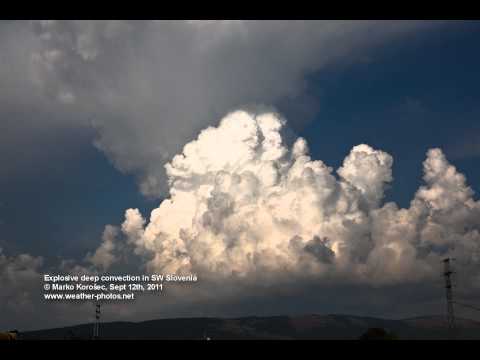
point(274, 327)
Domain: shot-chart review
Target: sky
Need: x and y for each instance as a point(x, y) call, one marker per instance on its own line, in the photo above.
point(92, 111)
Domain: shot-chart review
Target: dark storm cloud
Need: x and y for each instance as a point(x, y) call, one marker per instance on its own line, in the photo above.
point(148, 87)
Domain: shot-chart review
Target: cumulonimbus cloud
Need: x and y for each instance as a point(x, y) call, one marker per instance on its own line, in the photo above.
point(245, 206)
point(242, 204)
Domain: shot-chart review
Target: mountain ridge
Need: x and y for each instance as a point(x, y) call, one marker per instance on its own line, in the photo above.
point(308, 326)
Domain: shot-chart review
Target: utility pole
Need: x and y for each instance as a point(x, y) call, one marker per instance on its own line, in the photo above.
point(96, 325)
point(447, 273)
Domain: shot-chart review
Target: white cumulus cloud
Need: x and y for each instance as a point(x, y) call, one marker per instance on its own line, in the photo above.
point(243, 205)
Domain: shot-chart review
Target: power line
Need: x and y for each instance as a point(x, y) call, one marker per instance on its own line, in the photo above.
point(466, 305)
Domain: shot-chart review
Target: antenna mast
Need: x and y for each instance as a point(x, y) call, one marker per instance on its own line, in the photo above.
point(96, 325)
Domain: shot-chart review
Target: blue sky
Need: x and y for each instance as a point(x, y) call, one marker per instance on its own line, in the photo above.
point(409, 97)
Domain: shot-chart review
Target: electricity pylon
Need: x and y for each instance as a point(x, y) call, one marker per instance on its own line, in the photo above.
point(447, 273)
